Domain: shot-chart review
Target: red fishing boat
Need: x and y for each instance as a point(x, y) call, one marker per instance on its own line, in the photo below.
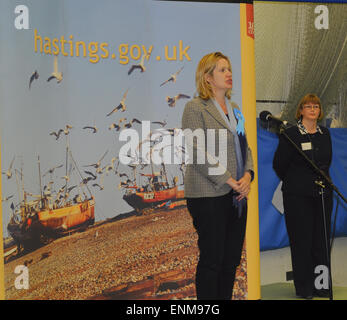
point(45, 217)
point(154, 194)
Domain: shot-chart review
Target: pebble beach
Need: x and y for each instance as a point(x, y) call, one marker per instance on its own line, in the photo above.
point(151, 256)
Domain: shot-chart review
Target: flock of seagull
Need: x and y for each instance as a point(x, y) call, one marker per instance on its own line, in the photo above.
point(58, 75)
point(122, 123)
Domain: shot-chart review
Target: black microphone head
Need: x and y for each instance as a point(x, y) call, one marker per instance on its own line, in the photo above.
point(263, 116)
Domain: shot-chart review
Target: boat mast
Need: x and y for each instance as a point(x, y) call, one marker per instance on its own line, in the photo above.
point(23, 207)
point(151, 162)
point(66, 164)
point(20, 195)
point(165, 175)
point(163, 164)
point(18, 187)
point(78, 170)
point(134, 174)
point(38, 158)
point(21, 177)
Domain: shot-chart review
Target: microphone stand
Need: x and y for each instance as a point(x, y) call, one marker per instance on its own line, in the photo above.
point(322, 185)
point(328, 253)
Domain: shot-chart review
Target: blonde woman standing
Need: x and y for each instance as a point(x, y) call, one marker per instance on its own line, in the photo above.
point(217, 202)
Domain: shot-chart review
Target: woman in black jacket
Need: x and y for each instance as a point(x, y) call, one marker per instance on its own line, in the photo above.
point(301, 194)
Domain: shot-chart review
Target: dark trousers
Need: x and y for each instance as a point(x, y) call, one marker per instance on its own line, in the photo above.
point(305, 227)
point(220, 240)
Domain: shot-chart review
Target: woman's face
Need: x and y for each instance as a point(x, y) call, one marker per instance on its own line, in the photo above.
point(221, 78)
point(310, 111)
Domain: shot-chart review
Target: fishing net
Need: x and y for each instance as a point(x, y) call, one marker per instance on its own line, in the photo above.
point(294, 58)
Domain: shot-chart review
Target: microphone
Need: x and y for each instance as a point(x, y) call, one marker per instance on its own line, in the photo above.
point(266, 116)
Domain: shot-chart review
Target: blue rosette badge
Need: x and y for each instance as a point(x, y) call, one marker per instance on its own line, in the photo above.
point(240, 128)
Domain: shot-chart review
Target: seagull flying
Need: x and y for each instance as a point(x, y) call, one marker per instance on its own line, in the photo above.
point(66, 178)
point(121, 105)
point(51, 170)
point(71, 188)
point(34, 76)
point(172, 132)
point(129, 124)
point(172, 100)
point(90, 173)
point(95, 129)
point(99, 170)
point(114, 126)
point(56, 74)
point(122, 185)
point(162, 123)
point(67, 128)
point(139, 66)
point(97, 164)
point(110, 166)
point(86, 180)
point(7, 198)
point(56, 134)
point(97, 185)
point(8, 173)
point(172, 77)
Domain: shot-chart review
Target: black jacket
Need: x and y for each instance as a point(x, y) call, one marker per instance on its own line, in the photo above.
point(291, 167)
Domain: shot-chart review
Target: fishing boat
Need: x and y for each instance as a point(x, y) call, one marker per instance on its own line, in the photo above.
point(155, 193)
point(39, 226)
point(39, 220)
point(143, 201)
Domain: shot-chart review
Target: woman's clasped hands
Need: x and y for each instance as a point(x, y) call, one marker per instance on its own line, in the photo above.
point(241, 186)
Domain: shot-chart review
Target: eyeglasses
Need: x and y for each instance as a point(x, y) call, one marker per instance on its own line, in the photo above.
point(315, 107)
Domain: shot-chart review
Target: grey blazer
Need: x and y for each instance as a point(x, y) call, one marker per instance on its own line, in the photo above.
point(199, 113)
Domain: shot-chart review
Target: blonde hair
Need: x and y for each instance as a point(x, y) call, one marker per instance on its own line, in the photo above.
point(309, 98)
point(206, 66)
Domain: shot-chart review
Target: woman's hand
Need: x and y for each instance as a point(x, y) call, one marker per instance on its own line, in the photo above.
point(245, 182)
point(234, 184)
point(242, 186)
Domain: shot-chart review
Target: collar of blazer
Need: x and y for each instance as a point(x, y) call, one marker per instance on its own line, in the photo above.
point(303, 130)
point(212, 110)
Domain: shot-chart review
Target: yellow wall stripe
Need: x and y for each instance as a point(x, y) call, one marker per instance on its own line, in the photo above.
point(249, 111)
point(2, 275)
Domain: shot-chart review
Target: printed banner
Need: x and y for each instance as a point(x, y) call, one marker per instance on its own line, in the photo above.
point(91, 149)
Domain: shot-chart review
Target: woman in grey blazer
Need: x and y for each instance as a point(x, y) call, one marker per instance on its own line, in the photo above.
point(218, 176)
